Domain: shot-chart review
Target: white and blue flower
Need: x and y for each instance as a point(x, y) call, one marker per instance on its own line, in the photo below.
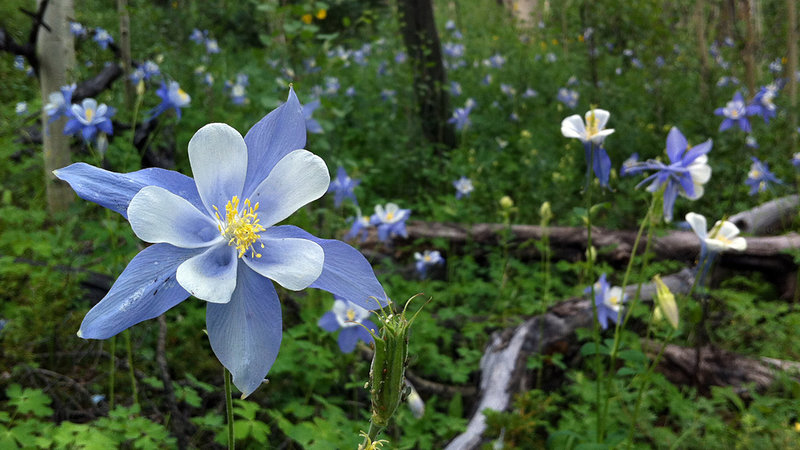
point(88, 118)
point(354, 322)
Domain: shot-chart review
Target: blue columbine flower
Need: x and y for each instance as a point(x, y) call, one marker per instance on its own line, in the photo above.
point(426, 260)
point(391, 221)
point(360, 227)
point(77, 29)
point(311, 123)
point(21, 108)
point(212, 46)
point(593, 133)
point(762, 103)
point(735, 113)
point(508, 89)
point(751, 141)
point(453, 50)
point(198, 36)
point(568, 97)
point(60, 102)
point(354, 322)
point(88, 118)
point(463, 187)
point(342, 187)
point(150, 70)
point(172, 96)
point(776, 66)
point(332, 85)
point(629, 164)
point(496, 61)
point(796, 160)
point(215, 237)
point(455, 88)
point(103, 38)
point(19, 62)
point(687, 172)
point(608, 301)
point(238, 94)
point(760, 177)
point(530, 93)
point(461, 115)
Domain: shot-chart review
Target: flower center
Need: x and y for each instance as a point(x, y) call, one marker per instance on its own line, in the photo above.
point(351, 315)
point(89, 114)
point(183, 95)
point(591, 125)
point(389, 216)
point(241, 228)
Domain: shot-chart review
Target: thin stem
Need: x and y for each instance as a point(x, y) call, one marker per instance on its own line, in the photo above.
point(229, 408)
point(369, 439)
point(545, 300)
point(590, 274)
point(131, 373)
point(112, 372)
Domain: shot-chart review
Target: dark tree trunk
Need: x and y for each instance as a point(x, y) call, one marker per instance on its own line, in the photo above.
point(424, 51)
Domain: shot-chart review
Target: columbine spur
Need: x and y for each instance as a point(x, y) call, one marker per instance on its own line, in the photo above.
point(215, 237)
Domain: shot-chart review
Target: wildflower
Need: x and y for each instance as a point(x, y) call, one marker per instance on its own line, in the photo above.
point(568, 97)
point(332, 85)
point(77, 29)
point(450, 25)
point(21, 108)
point(360, 227)
point(530, 93)
point(776, 66)
point(496, 61)
point(59, 102)
point(137, 75)
point(762, 104)
point(455, 88)
point(608, 301)
point(350, 92)
point(198, 36)
point(391, 221)
point(461, 115)
point(723, 236)
point(750, 141)
point(629, 164)
point(311, 123)
point(400, 57)
point(238, 95)
point(354, 322)
point(19, 62)
point(150, 70)
point(735, 113)
point(322, 14)
point(342, 187)
point(426, 260)
point(507, 89)
point(172, 96)
point(760, 177)
point(592, 134)
point(665, 303)
point(686, 173)
point(208, 234)
point(388, 95)
point(550, 57)
point(88, 118)
point(660, 62)
point(453, 50)
point(463, 187)
point(487, 80)
point(307, 18)
point(727, 81)
point(102, 38)
point(212, 46)
point(796, 159)
point(208, 79)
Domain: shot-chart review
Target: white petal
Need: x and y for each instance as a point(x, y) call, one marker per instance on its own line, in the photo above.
point(211, 275)
point(600, 136)
point(573, 127)
point(698, 224)
point(157, 215)
point(739, 244)
point(218, 156)
point(700, 172)
point(293, 263)
point(297, 179)
point(728, 229)
point(600, 116)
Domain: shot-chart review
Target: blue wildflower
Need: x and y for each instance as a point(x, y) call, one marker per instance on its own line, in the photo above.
point(750, 141)
point(77, 29)
point(350, 92)
point(735, 113)
point(238, 94)
point(137, 75)
point(426, 260)
point(343, 187)
point(463, 187)
point(727, 81)
point(453, 50)
point(391, 221)
point(150, 70)
point(687, 172)
point(212, 47)
point(496, 61)
point(776, 66)
point(760, 177)
point(608, 301)
point(461, 115)
point(19, 62)
point(629, 164)
point(388, 95)
point(487, 80)
point(360, 227)
point(508, 89)
point(332, 85)
point(796, 160)
point(354, 322)
point(103, 38)
point(198, 36)
point(214, 237)
point(88, 118)
point(592, 134)
point(21, 108)
point(530, 93)
point(60, 102)
point(172, 96)
point(568, 97)
point(400, 57)
point(455, 88)
point(311, 123)
point(762, 104)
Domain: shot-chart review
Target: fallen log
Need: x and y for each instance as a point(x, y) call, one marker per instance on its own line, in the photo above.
point(769, 218)
point(503, 365)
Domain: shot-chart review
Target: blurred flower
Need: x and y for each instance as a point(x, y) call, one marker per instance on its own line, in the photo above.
point(208, 79)
point(455, 88)
point(60, 102)
point(137, 75)
point(388, 95)
point(343, 187)
point(198, 36)
point(759, 178)
point(172, 96)
point(307, 18)
point(228, 256)
point(426, 260)
point(400, 57)
point(322, 14)
point(453, 49)
point(21, 108)
point(592, 135)
point(88, 118)
point(150, 69)
point(102, 38)
point(77, 29)
point(723, 236)
point(450, 25)
point(776, 66)
point(727, 81)
point(629, 164)
point(360, 227)
point(353, 321)
point(461, 115)
point(568, 97)
point(762, 103)
point(97, 398)
point(391, 221)
point(238, 94)
point(19, 62)
point(212, 46)
point(686, 173)
point(487, 80)
point(496, 61)
point(735, 113)
point(463, 187)
point(660, 62)
point(550, 57)
point(350, 92)
point(332, 85)
point(796, 159)
point(507, 89)
point(311, 123)
point(608, 301)
point(506, 202)
point(530, 93)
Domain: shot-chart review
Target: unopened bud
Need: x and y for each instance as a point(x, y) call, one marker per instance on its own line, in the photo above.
point(591, 254)
point(545, 213)
point(506, 202)
point(665, 303)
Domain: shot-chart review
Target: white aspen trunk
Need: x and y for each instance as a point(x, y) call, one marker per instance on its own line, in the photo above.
point(55, 50)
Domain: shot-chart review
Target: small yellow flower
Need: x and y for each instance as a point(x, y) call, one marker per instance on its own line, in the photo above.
point(506, 202)
point(555, 41)
point(322, 14)
point(580, 37)
point(307, 18)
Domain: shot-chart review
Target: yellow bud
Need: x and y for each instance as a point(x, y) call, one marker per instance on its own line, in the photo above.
point(545, 213)
point(322, 14)
point(506, 202)
point(140, 88)
point(591, 253)
point(666, 302)
point(306, 18)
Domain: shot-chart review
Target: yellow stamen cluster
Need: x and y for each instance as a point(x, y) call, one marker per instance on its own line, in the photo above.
point(591, 125)
point(351, 315)
point(89, 114)
point(389, 216)
point(241, 228)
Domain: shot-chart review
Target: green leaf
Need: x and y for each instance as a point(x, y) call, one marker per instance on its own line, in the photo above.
point(29, 401)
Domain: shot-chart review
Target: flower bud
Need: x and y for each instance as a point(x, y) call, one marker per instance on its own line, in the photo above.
point(545, 213)
point(665, 301)
point(506, 202)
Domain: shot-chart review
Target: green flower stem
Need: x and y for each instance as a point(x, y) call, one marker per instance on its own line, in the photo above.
point(112, 371)
point(131, 373)
point(545, 296)
point(229, 408)
point(598, 364)
point(369, 439)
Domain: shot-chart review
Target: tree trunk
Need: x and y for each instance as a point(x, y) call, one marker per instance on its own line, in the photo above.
point(749, 51)
point(791, 69)
point(56, 53)
point(424, 51)
point(125, 50)
point(702, 47)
